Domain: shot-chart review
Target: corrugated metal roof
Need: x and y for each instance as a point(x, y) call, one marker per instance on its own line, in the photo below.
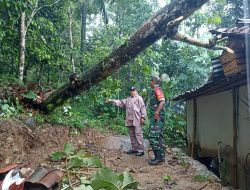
point(242, 29)
point(213, 87)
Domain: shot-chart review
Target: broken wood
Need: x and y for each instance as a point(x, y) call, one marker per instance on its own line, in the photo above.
point(161, 24)
point(203, 186)
point(212, 44)
point(235, 135)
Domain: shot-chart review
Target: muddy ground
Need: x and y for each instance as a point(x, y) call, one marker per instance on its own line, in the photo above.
point(23, 144)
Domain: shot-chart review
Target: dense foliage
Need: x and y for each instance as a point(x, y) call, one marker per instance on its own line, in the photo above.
point(66, 35)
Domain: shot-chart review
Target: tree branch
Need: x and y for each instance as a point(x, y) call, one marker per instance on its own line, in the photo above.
point(35, 10)
point(209, 45)
point(50, 5)
point(175, 22)
point(31, 17)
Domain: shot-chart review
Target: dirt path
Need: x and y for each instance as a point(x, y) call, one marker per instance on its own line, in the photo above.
point(179, 170)
point(19, 143)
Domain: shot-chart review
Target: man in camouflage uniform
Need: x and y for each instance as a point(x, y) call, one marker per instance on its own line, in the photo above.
point(156, 116)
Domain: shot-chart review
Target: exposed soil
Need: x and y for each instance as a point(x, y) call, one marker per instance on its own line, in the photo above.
point(178, 168)
point(20, 143)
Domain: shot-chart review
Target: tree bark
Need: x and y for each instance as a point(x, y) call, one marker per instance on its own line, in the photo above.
point(83, 33)
point(161, 24)
point(84, 25)
point(22, 33)
point(209, 45)
point(72, 61)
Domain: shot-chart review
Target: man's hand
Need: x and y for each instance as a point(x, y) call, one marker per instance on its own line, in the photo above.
point(156, 116)
point(108, 100)
point(142, 121)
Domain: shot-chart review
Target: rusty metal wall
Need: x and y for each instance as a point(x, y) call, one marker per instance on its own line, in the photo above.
point(243, 138)
point(190, 121)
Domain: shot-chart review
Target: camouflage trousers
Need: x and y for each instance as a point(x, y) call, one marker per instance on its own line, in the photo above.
point(155, 136)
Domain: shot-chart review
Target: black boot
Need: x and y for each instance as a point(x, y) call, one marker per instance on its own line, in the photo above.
point(158, 158)
point(163, 156)
point(153, 159)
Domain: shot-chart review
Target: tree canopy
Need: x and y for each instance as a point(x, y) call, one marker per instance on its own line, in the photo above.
point(98, 27)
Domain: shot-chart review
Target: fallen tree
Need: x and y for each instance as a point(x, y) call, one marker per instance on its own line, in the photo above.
point(163, 23)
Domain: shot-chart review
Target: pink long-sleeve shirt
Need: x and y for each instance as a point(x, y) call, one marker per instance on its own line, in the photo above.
point(135, 109)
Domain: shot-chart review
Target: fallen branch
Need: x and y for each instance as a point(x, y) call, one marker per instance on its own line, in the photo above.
point(67, 172)
point(75, 183)
point(203, 186)
point(209, 45)
point(186, 169)
point(75, 172)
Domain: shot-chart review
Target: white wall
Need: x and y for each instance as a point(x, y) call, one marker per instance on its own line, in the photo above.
point(215, 121)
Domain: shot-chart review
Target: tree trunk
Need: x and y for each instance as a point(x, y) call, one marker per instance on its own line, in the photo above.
point(84, 25)
point(23, 31)
point(83, 32)
point(70, 12)
point(161, 24)
point(22, 34)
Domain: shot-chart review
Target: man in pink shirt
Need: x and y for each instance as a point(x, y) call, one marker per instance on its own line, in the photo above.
point(135, 118)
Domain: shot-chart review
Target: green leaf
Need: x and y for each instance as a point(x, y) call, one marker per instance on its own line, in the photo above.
point(83, 162)
point(75, 163)
point(216, 19)
point(83, 187)
point(56, 156)
point(94, 161)
point(5, 107)
point(69, 149)
point(108, 179)
point(88, 159)
point(128, 181)
point(85, 181)
point(167, 178)
point(30, 95)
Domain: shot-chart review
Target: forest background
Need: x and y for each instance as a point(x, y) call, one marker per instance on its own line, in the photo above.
point(44, 41)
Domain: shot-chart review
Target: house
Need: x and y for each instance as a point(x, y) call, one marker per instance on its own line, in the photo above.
point(218, 113)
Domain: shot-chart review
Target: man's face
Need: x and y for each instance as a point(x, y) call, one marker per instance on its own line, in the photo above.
point(152, 84)
point(133, 92)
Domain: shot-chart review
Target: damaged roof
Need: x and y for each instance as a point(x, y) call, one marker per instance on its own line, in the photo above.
point(242, 29)
point(222, 83)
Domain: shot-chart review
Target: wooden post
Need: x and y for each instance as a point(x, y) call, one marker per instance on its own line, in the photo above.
point(194, 127)
point(186, 128)
point(235, 134)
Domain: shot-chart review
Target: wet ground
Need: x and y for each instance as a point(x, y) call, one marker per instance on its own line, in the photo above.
point(19, 143)
point(179, 171)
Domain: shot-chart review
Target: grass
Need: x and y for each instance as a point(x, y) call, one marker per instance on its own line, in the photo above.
point(201, 178)
point(184, 163)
